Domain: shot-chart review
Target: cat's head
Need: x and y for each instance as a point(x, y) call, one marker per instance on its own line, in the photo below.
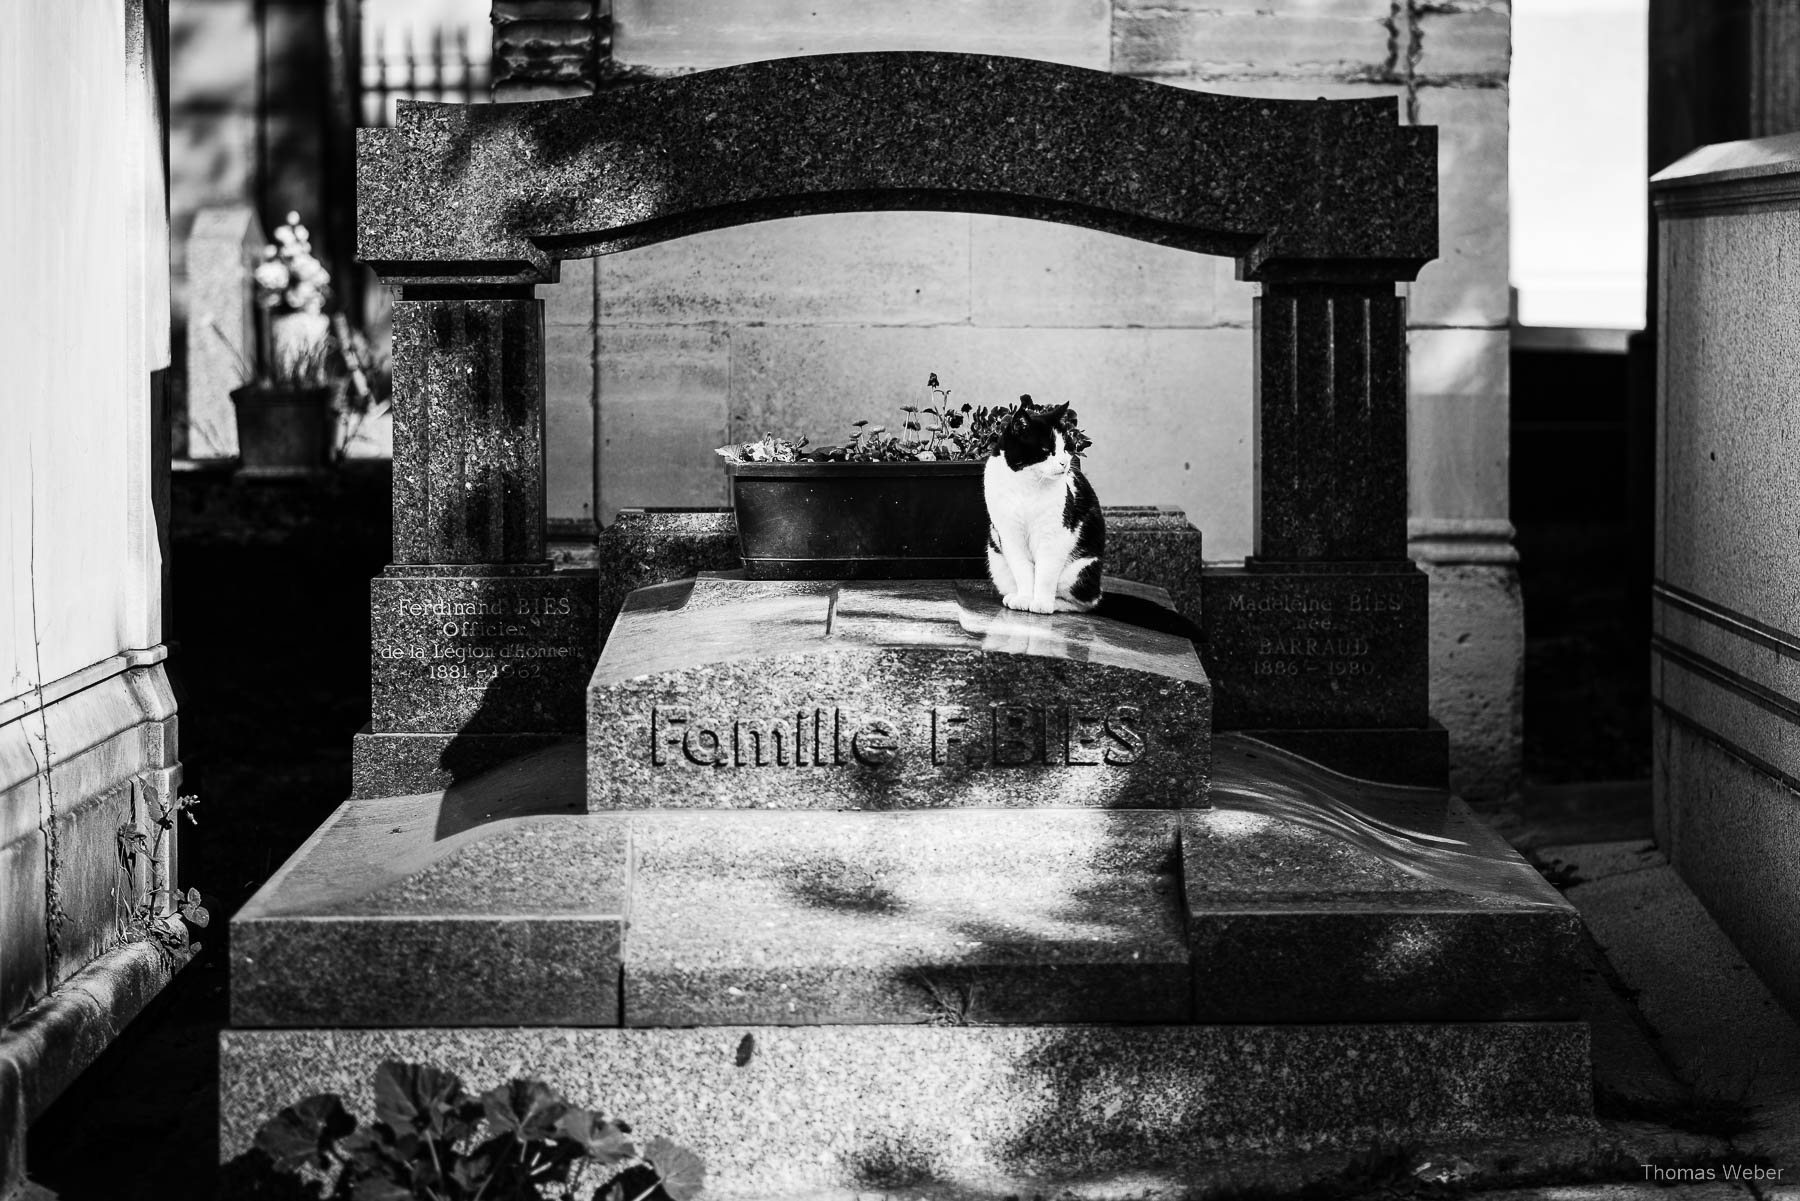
point(1034, 439)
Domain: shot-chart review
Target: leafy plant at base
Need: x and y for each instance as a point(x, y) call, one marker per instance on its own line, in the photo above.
point(932, 433)
point(432, 1141)
point(167, 916)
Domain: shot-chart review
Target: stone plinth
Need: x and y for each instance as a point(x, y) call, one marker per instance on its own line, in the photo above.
point(471, 665)
point(1330, 660)
point(1314, 961)
point(805, 1111)
point(1325, 647)
point(1314, 898)
point(490, 904)
point(726, 693)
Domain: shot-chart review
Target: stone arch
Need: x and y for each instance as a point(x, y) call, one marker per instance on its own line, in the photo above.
point(1292, 189)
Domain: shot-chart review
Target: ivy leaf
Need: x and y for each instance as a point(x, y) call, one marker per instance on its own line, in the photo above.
point(379, 1188)
point(683, 1175)
point(529, 1110)
point(418, 1098)
point(932, 382)
point(192, 910)
point(605, 1142)
point(477, 1169)
point(300, 1134)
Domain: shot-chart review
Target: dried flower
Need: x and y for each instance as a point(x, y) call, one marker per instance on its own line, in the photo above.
point(290, 279)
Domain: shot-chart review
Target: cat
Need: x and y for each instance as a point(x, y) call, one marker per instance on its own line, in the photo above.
point(1046, 535)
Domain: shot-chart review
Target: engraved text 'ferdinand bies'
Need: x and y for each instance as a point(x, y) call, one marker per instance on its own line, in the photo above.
point(957, 737)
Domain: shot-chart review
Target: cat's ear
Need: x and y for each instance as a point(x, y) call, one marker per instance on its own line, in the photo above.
point(1058, 414)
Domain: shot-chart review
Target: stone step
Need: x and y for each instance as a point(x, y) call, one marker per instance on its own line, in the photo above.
point(875, 694)
point(787, 1112)
point(494, 905)
point(959, 916)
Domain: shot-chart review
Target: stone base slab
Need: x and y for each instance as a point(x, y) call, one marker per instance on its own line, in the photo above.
point(1302, 896)
point(778, 1112)
point(1339, 917)
point(384, 765)
point(48, 1046)
point(1418, 758)
point(963, 915)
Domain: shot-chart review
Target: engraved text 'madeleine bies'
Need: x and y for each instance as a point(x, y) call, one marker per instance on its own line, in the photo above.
point(999, 735)
point(1310, 637)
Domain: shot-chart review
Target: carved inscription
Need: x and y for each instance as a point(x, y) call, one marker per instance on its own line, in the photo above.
point(1305, 634)
point(525, 636)
point(999, 735)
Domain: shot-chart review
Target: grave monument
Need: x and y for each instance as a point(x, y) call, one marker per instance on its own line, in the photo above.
point(223, 248)
point(859, 884)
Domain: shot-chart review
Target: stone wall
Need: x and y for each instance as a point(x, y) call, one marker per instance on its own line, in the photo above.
point(660, 354)
point(87, 726)
point(1726, 640)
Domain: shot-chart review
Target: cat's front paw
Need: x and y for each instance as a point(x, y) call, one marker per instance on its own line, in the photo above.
point(1016, 600)
point(1043, 606)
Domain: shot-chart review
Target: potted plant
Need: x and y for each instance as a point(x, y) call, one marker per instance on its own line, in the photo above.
point(312, 364)
point(903, 504)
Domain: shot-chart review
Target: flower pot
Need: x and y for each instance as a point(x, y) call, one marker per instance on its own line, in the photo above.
point(283, 431)
point(823, 521)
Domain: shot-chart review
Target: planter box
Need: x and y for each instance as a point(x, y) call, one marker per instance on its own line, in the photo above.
point(284, 431)
point(827, 521)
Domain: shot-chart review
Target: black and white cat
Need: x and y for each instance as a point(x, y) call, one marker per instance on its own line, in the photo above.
point(1045, 532)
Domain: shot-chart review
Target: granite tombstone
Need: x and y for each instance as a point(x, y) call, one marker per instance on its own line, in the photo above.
point(1328, 205)
point(729, 693)
point(839, 859)
point(223, 247)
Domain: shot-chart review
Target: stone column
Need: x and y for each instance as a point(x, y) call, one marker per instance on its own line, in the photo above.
point(481, 649)
point(468, 426)
point(1330, 423)
point(1319, 643)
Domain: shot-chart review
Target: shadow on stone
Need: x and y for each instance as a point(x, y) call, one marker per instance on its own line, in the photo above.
point(831, 882)
point(547, 781)
point(902, 1163)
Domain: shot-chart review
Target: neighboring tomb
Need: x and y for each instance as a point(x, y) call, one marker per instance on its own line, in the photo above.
point(223, 248)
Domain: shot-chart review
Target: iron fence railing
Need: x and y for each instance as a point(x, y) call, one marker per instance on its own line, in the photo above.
point(442, 69)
